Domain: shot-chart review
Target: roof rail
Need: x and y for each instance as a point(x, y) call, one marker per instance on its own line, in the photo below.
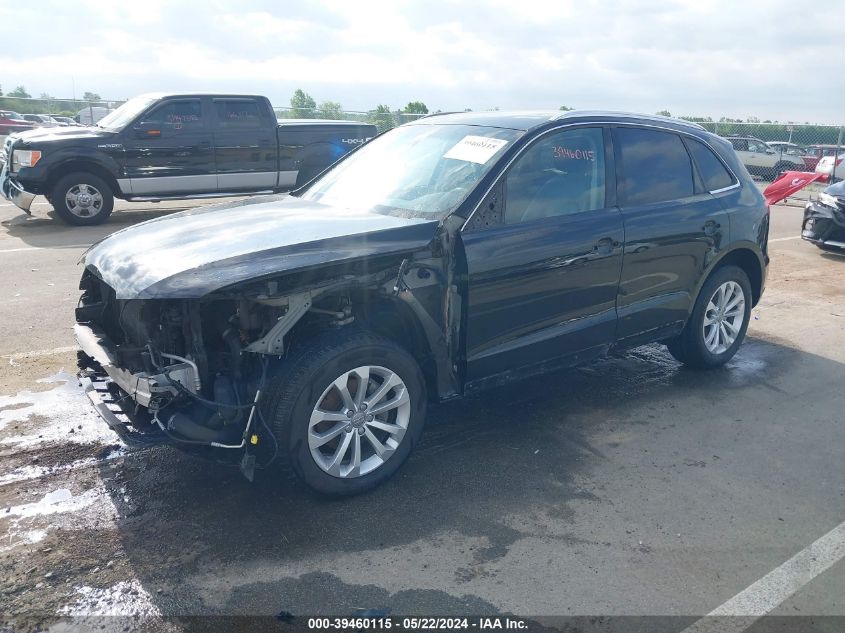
point(628, 115)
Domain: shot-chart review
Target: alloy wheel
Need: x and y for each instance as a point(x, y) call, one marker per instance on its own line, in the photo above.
point(359, 421)
point(84, 201)
point(724, 317)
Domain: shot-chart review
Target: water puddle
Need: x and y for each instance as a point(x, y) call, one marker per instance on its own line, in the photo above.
point(30, 473)
point(65, 408)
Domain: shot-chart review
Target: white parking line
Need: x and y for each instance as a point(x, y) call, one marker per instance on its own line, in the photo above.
point(784, 239)
point(42, 248)
point(773, 589)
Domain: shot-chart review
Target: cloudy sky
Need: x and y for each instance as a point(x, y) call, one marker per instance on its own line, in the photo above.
point(778, 59)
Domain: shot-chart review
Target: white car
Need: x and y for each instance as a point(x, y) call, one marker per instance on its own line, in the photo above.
point(825, 166)
point(761, 160)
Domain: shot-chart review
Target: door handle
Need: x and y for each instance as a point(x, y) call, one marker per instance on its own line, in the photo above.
point(204, 145)
point(605, 245)
point(710, 227)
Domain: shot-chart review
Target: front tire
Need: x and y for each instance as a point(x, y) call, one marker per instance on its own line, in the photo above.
point(718, 323)
point(347, 408)
point(82, 199)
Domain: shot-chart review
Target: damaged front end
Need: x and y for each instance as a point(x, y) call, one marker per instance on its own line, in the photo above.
point(191, 371)
point(178, 371)
point(824, 219)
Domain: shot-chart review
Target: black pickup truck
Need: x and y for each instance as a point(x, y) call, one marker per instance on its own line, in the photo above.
point(171, 146)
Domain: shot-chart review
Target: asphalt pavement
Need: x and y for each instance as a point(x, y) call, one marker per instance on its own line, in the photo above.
point(628, 487)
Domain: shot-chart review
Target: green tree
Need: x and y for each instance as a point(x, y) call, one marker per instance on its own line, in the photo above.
point(20, 91)
point(1, 91)
point(565, 108)
point(382, 117)
point(330, 110)
point(91, 96)
point(663, 113)
point(302, 105)
point(416, 107)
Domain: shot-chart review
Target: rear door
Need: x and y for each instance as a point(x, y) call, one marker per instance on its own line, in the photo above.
point(544, 254)
point(245, 144)
point(169, 151)
point(674, 227)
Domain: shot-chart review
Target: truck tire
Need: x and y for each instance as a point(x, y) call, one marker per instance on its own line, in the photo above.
point(778, 169)
point(82, 199)
point(341, 435)
point(719, 320)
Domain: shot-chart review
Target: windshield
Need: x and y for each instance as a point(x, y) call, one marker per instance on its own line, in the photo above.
point(417, 170)
point(126, 113)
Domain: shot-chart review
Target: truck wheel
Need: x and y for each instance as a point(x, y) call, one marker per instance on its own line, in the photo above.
point(347, 408)
point(82, 199)
point(718, 323)
point(780, 168)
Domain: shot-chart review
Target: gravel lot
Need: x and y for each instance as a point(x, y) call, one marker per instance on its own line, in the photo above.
point(628, 487)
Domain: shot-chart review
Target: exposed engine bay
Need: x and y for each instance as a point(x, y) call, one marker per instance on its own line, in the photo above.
point(192, 371)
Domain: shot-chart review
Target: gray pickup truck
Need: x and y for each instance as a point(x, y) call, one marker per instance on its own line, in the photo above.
point(170, 146)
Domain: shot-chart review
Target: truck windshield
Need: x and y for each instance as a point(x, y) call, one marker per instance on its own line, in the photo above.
point(125, 114)
point(423, 170)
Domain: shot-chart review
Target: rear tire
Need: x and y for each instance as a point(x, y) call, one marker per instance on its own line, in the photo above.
point(780, 168)
point(82, 199)
point(718, 323)
point(305, 406)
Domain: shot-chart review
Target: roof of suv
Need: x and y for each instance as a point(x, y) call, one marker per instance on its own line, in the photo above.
point(527, 120)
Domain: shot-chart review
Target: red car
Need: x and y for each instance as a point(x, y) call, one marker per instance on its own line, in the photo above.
point(814, 154)
point(13, 122)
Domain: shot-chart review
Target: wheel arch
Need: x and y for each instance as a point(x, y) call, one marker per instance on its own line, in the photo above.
point(82, 165)
point(391, 317)
point(746, 257)
point(395, 320)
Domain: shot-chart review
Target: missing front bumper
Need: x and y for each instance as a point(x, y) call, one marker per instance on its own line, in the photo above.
point(14, 192)
point(108, 408)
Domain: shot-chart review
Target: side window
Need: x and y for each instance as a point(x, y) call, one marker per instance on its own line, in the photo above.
point(177, 116)
point(757, 146)
point(238, 114)
point(740, 144)
point(713, 172)
point(560, 174)
point(655, 166)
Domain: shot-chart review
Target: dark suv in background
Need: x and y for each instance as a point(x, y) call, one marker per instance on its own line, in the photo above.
point(445, 256)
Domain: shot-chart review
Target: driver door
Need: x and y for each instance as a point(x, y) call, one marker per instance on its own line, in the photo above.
point(544, 257)
point(169, 150)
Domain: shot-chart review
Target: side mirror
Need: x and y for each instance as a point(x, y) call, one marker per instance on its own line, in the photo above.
point(771, 151)
point(148, 129)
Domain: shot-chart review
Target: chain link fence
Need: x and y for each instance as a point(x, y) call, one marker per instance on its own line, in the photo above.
point(766, 148)
point(383, 120)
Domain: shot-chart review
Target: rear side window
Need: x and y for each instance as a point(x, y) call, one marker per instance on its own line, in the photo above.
point(238, 114)
point(713, 172)
point(655, 166)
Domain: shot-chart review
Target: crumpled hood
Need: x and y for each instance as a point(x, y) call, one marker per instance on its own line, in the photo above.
point(193, 253)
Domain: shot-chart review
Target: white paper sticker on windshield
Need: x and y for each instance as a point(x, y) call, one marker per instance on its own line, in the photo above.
point(475, 149)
